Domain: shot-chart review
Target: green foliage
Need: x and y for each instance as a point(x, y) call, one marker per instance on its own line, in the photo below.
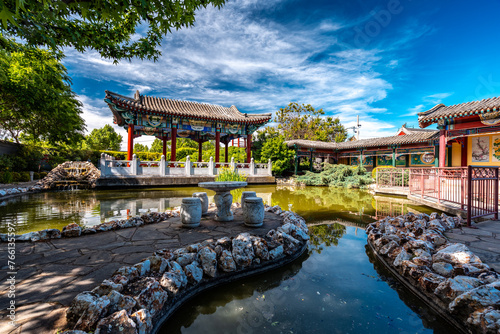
point(262, 136)
point(325, 235)
point(104, 139)
point(228, 174)
point(338, 176)
point(183, 152)
point(280, 155)
point(6, 177)
point(109, 27)
point(157, 146)
point(138, 147)
point(304, 122)
point(36, 100)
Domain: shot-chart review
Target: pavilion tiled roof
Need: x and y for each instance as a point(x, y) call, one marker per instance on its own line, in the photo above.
point(441, 111)
point(189, 109)
point(413, 138)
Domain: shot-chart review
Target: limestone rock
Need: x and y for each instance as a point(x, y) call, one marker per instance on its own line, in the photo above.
point(193, 272)
point(71, 230)
point(186, 258)
point(79, 305)
point(453, 287)
point(208, 260)
point(106, 287)
point(120, 302)
point(158, 264)
point(402, 256)
point(443, 268)
point(276, 253)
point(456, 254)
point(243, 253)
point(290, 244)
point(480, 297)
point(143, 267)
point(430, 281)
point(226, 261)
point(92, 314)
point(389, 247)
point(171, 282)
point(177, 270)
point(224, 242)
point(30, 236)
point(143, 321)
point(260, 248)
point(117, 323)
point(152, 297)
point(52, 233)
point(487, 320)
point(294, 231)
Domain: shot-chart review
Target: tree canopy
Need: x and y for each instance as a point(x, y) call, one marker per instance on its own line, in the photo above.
point(36, 99)
point(112, 28)
point(104, 139)
point(302, 121)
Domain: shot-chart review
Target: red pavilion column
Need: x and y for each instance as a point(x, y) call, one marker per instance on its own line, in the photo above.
point(130, 146)
point(164, 139)
point(226, 151)
point(200, 151)
point(249, 148)
point(465, 147)
point(217, 146)
point(442, 148)
point(173, 149)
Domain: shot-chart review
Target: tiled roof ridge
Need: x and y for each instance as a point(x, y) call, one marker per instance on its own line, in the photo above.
point(433, 109)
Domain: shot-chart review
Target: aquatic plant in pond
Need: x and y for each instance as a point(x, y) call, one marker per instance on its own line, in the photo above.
point(338, 176)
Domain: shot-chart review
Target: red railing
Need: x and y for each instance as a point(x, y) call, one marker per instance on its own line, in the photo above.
point(482, 189)
point(392, 177)
point(473, 188)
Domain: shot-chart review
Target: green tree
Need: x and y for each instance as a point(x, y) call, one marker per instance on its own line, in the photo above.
point(36, 99)
point(280, 155)
point(304, 122)
point(138, 147)
point(157, 146)
point(261, 137)
point(109, 27)
point(104, 139)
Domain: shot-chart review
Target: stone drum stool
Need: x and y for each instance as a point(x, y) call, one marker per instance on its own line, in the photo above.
point(254, 211)
point(204, 202)
point(191, 212)
point(244, 195)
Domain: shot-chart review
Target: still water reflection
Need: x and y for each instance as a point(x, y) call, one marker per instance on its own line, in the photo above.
point(337, 287)
point(87, 208)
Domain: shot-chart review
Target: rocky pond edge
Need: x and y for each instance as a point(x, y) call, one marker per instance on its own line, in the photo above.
point(447, 276)
point(138, 299)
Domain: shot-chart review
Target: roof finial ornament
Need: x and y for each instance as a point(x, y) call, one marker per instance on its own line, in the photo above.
point(137, 95)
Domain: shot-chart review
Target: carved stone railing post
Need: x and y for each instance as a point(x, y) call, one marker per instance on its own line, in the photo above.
point(163, 166)
point(135, 165)
point(211, 166)
point(188, 166)
point(233, 165)
point(102, 165)
point(269, 167)
point(252, 167)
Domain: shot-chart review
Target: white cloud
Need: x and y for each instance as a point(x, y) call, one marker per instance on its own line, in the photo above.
point(414, 110)
point(230, 58)
point(436, 98)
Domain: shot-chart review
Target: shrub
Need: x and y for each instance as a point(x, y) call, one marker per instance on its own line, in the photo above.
point(338, 176)
point(229, 174)
point(6, 177)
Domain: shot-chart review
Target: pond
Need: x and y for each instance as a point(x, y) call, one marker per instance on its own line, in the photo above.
point(337, 287)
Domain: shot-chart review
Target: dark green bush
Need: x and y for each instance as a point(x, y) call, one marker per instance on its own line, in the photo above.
point(6, 177)
point(338, 176)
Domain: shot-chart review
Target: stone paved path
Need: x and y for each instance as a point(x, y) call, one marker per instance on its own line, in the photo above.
point(51, 274)
point(483, 241)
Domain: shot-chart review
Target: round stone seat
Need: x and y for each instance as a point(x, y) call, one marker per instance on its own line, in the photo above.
point(254, 212)
point(204, 202)
point(191, 212)
point(244, 195)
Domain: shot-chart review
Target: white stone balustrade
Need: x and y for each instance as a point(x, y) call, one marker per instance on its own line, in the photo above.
point(110, 167)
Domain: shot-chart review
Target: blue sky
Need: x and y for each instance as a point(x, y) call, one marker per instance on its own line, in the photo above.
point(382, 60)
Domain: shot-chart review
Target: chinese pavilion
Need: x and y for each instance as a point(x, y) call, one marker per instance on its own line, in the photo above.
point(168, 119)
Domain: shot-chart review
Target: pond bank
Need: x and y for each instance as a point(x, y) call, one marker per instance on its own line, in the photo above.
point(50, 274)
